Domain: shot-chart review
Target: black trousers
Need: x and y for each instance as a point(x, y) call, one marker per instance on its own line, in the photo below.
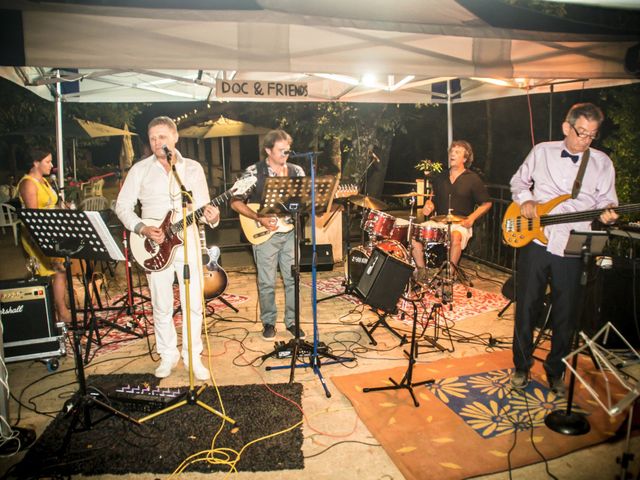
point(536, 269)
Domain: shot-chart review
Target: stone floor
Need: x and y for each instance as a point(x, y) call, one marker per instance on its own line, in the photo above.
point(235, 341)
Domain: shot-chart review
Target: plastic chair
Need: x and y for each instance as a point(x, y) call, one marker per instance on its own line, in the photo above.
point(94, 203)
point(96, 188)
point(8, 218)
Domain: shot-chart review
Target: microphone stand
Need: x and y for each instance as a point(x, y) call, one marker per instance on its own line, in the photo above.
point(190, 397)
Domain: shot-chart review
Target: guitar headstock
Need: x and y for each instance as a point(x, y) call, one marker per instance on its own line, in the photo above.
point(346, 190)
point(243, 185)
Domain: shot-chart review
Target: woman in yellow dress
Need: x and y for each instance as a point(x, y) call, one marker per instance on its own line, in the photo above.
point(36, 192)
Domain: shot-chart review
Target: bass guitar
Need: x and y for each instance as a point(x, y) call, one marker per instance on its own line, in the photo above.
point(256, 233)
point(214, 281)
point(518, 231)
point(153, 256)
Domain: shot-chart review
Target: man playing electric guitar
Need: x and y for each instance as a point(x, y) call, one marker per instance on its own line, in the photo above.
point(550, 171)
point(153, 183)
point(278, 249)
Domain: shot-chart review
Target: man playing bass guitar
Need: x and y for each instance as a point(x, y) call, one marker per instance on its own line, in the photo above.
point(549, 171)
point(153, 183)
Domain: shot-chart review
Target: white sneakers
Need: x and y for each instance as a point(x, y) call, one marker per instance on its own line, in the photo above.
point(165, 367)
point(199, 370)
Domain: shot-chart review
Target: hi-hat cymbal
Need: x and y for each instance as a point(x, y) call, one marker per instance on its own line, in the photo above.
point(450, 218)
point(412, 194)
point(368, 202)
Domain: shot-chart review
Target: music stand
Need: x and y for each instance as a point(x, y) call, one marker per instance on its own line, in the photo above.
point(83, 235)
point(583, 245)
point(293, 196)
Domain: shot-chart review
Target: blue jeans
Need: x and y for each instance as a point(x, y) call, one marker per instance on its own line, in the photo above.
point(277, 251)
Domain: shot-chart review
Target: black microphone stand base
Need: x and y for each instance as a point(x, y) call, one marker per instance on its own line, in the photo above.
point(567, 423)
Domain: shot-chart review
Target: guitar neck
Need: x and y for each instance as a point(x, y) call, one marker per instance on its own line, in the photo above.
point(199, 213)
point(586, 215)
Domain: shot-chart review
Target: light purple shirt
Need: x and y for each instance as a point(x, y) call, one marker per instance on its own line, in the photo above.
point(552, 176)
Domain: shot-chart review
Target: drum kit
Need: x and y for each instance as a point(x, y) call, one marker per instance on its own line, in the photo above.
point(393, 236)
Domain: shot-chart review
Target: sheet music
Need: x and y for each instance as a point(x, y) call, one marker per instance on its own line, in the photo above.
point(105, 235)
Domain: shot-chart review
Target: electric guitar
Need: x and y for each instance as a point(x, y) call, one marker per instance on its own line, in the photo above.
point(154, 257)
point(256, 233)
point(214, 281)
point(518, 231)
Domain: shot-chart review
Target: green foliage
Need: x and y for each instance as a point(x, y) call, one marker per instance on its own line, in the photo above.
point(428, 166)
point(623, 110)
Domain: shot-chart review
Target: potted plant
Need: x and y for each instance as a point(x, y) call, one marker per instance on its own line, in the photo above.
point(428, 167)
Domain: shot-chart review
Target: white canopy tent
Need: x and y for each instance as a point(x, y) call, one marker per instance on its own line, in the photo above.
point(327, 50)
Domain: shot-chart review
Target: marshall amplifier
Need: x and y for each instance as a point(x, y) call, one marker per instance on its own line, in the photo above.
point(29, 330)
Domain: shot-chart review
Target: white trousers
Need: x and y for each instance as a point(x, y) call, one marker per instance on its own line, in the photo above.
point(161, 289)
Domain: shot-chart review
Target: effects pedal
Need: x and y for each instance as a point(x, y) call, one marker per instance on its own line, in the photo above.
point(144, 398)
point(286, 352)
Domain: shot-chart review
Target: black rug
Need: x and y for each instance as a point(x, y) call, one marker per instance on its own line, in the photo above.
point(116, 446)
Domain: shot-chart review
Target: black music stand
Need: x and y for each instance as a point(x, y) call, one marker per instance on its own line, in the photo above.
point(84, 235)
point(294, 196)
point(583, 245)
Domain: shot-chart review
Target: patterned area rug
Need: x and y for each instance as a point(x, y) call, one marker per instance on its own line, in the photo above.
point(462, 307)
point(116, 328)
point(469, 417)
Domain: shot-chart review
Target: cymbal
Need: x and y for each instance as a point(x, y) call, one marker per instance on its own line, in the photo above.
point(412, 194)
point(450, 218)
point(368, 202)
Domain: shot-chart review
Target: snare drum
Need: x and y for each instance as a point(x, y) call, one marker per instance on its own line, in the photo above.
point(359, 256)
point(400, 230)
point(429, 233)
point(377, 223)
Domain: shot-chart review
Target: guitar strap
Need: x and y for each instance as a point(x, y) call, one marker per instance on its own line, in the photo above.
point(577, 184)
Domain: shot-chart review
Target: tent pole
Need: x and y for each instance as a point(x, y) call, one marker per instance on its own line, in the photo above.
point(224, 166)
point(59, 146)
point(449, 115)
point(74, 146)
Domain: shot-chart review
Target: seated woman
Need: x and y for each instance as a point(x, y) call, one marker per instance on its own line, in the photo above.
point(35, 192)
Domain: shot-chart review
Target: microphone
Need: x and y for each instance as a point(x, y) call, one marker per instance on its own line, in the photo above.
point(373, 154)
point(167, 152)
point(53, 180)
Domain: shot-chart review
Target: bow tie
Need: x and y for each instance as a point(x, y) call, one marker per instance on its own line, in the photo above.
point(574, 158)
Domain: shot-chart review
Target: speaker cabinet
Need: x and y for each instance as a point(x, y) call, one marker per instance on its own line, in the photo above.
point(324, 256)
point(613, 295)
point(28, 322)
point(384, 279)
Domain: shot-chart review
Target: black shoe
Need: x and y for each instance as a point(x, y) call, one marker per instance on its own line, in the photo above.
point(268, 332)
point(292, 331)
point(556, 385)
point(520, 379)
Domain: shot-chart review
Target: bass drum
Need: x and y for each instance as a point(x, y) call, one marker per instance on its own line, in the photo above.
point(359, 257)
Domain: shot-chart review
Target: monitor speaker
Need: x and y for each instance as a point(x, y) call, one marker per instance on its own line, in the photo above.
point(384, 279)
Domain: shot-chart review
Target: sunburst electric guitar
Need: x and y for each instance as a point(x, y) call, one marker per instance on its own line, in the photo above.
point(154, 256)
point(256, 233)
point(518, 231)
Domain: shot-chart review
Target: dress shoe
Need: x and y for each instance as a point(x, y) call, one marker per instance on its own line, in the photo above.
point(199, 370)
point(165, 367)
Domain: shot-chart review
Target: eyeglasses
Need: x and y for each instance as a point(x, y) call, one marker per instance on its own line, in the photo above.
point(592, 136)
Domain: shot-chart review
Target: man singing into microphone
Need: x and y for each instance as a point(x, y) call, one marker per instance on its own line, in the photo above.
point(458, 191)
point(152, 182)
point(279, 249)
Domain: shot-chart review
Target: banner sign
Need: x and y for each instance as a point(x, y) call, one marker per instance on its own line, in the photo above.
point(251, 89)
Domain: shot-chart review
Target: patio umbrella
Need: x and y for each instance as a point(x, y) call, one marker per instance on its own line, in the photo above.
point(221, 128)
point(126, 152)
point(76, 129)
